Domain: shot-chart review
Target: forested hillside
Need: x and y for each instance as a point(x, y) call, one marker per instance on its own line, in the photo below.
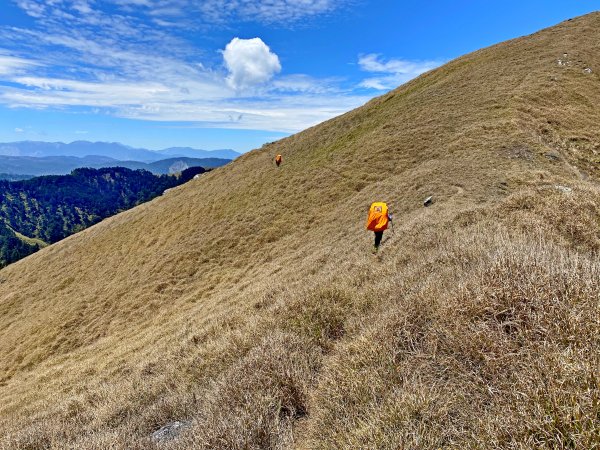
point(44, 210)
point(12, 248)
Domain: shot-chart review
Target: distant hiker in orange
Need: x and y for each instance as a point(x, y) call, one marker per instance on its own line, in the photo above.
point(378, 220)
point(278, 160)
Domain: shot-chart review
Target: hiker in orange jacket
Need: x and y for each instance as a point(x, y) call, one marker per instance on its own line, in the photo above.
point(378, 220)
point(278, 160)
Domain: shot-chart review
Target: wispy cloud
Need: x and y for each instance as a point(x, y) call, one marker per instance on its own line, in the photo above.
point(219, 12)
point(129, 3)
point(124, 65)
point(392, 72)
point(286, 114)
point(305, 84)
point(10, 65)
point(272, 11)
point(158, 102)
point(33, 8)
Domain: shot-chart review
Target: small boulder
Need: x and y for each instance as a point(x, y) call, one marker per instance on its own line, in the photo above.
point(553, 156)
point(587, 70)
point(564, 189)
point(169, 431)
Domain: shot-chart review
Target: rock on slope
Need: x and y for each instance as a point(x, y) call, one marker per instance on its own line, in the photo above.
point(246, 304)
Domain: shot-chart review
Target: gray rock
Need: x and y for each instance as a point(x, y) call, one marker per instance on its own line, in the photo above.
point(564, 189)
point(587, 70)
point(169, 431)
point(563, 61)
point(553, 156)
point(518, 152)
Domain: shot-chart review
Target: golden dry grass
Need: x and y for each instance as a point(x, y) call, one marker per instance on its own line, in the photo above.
point(246, 303)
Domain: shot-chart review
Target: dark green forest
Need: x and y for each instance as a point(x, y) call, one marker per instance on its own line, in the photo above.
point(50, 208)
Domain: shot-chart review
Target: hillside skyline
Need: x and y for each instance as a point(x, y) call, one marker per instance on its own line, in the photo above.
point(227, 74)
point(245, 310)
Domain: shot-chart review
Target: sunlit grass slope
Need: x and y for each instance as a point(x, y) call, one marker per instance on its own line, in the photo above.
point(247, 306)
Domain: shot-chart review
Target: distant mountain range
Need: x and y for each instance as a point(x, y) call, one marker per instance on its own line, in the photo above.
point(112, 150)
point(195, 153)
point(11, 167)
point(31, 158)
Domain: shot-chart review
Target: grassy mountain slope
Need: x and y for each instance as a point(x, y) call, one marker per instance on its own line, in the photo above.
point(247, 305)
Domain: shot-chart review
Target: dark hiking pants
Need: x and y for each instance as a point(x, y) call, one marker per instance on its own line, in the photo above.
point(378, 237)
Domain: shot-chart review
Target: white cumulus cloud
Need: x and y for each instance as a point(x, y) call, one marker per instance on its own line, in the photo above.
point(250, 62)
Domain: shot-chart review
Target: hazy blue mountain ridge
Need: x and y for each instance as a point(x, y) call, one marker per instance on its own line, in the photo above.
point(195, 153)
point(113, 150)
point(62, 165)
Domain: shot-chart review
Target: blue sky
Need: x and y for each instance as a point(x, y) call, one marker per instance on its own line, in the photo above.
point(228, 73)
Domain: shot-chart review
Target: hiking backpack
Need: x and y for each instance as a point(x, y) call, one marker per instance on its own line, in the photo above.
point(378, 217)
